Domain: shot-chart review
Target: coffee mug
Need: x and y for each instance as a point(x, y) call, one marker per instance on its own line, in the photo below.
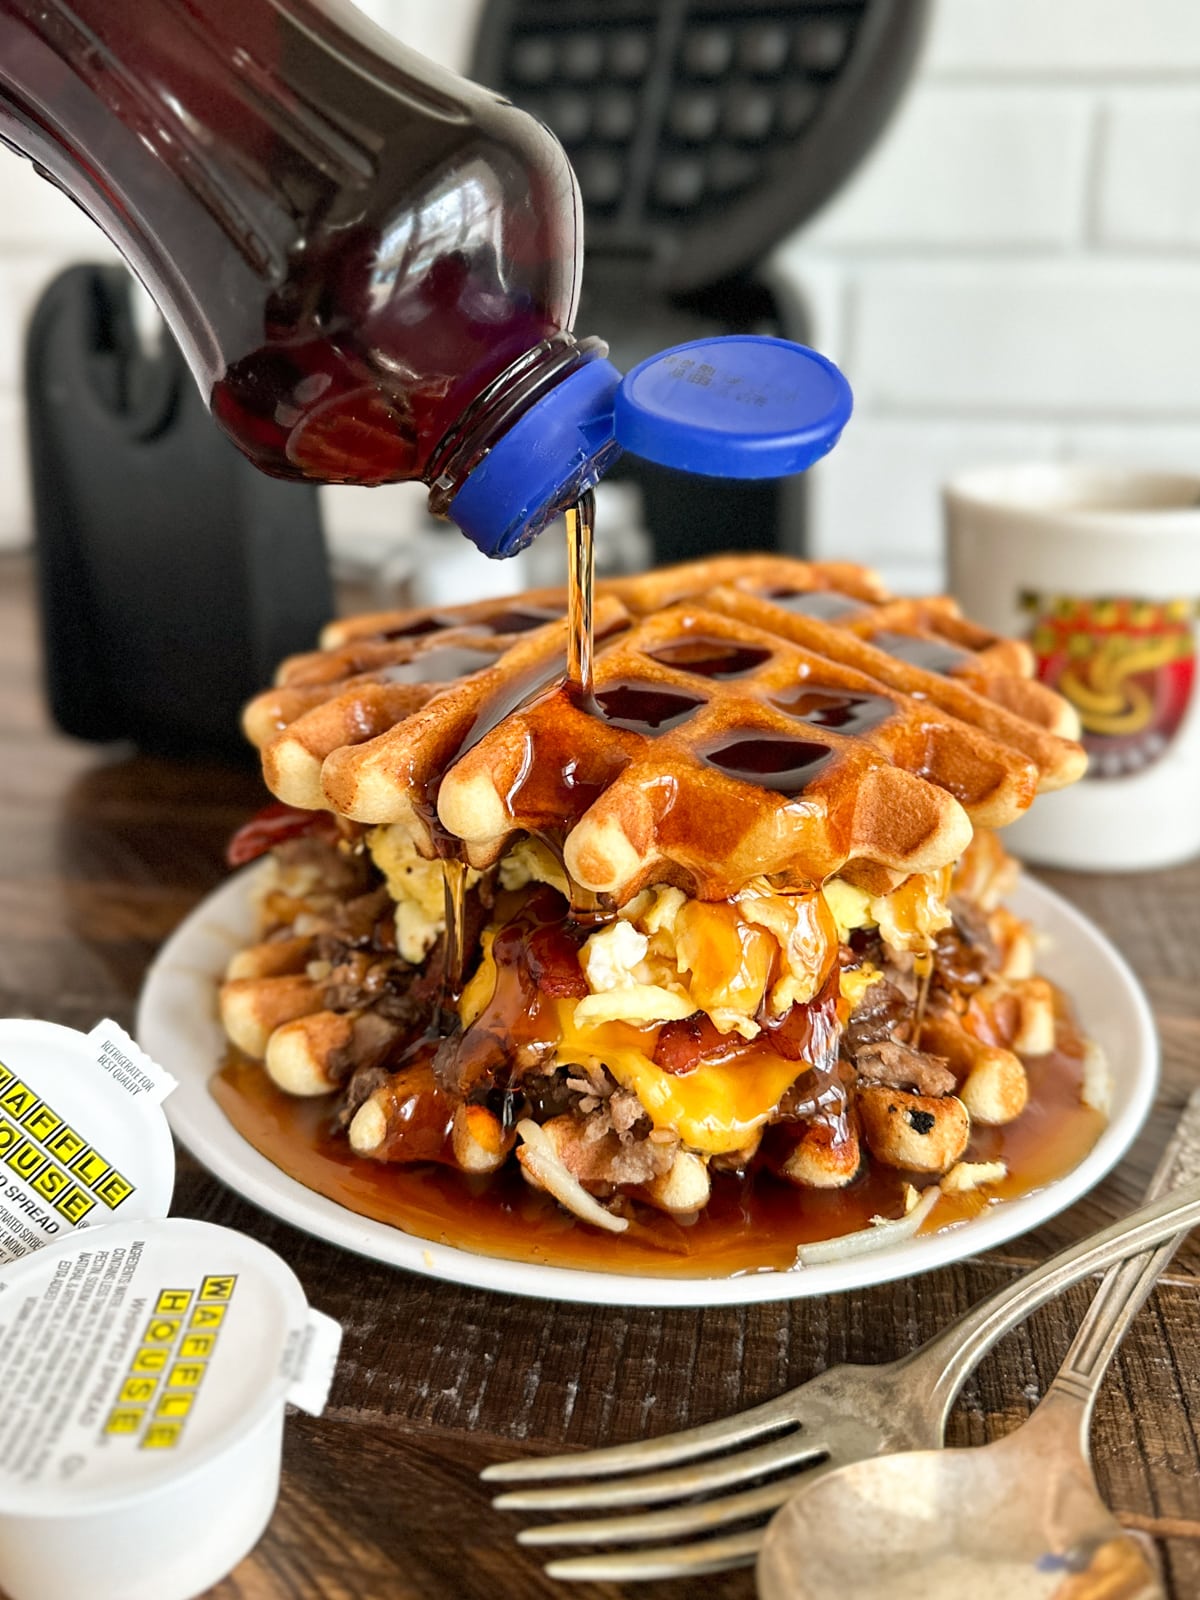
point(1099, 570)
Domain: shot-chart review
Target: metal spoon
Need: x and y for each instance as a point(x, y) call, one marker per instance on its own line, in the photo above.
point(1019, 1519)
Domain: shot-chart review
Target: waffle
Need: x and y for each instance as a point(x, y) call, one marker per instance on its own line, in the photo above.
point(751, 715)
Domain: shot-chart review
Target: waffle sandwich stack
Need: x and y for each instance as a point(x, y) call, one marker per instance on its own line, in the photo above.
point(739, 909)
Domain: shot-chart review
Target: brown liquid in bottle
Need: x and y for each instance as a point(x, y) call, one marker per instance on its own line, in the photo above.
point(350, 244)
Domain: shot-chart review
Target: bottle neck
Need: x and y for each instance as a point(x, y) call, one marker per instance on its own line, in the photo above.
point(495, 410)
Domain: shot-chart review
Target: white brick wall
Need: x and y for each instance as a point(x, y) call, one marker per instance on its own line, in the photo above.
point(1014, 273)
point(1148, 195)
point(1016, 269)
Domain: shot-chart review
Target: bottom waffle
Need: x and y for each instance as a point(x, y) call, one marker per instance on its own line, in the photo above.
point(828, 1057)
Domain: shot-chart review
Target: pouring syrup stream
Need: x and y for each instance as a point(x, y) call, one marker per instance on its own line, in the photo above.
point(581, 573)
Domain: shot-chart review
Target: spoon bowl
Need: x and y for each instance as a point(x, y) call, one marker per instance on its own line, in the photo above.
point(930, 1524)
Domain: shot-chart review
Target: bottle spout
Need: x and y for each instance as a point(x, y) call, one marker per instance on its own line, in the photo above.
point(741, 406)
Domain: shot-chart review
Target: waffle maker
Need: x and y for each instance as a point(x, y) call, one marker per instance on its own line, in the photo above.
point(701, 134)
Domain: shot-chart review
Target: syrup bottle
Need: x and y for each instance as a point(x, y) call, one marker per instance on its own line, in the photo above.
point(371, 265)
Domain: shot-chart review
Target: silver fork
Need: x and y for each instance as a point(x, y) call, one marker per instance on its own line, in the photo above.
point(845, 1414)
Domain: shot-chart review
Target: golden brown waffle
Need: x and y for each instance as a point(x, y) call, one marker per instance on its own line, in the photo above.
point(752, 715)
point(358, 690)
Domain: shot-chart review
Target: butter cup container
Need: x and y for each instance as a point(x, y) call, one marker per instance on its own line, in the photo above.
point(84, 1140)
point(145, 1361)
point(145, 1367)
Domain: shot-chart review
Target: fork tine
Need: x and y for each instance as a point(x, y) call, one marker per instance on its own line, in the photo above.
point(646, 1454)
point(679, 1522)
point(672, 1561)
point(699, 1478)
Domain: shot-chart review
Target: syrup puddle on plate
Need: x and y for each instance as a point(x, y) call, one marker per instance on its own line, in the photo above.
point(750, 1225)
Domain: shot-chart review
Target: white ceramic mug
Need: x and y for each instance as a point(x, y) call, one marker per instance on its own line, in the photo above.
point(1099, 569)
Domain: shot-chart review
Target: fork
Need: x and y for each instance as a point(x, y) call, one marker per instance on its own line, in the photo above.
point(845, 1414)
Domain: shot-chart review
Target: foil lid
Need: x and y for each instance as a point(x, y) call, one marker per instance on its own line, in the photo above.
point(131, 1355)
point(84, 1140)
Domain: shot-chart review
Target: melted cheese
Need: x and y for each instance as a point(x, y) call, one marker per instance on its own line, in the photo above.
point(853, 982)
point(714, 1108)
point(478, 991)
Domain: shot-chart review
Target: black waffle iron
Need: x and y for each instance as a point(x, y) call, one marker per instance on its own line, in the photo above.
point(701, 134)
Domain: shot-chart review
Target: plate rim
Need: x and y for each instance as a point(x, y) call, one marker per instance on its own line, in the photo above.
point(201, 1127)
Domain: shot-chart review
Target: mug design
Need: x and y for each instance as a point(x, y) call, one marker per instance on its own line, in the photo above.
point(1126, 665)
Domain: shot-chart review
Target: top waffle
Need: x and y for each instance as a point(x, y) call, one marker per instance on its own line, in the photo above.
point(751, 715)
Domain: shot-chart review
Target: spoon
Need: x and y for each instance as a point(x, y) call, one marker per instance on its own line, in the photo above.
point(1018, 1519)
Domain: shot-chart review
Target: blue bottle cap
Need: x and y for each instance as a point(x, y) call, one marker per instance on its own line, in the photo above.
point(545, 461)
point(743, 406)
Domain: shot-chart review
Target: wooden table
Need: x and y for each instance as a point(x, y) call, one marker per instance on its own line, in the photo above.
point(102, 853)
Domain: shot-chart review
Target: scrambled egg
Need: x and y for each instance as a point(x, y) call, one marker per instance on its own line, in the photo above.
point(908, 918)
point(623, 981)
point(531, 861)
point(417, 887)
point(666, 956)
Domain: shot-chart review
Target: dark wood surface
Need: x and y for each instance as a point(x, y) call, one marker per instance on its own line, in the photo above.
point(102, 853)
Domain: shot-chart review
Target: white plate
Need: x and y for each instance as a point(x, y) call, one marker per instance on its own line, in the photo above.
point(177, 1024)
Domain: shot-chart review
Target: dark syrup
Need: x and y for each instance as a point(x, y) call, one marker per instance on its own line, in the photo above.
point(423, 625)
point(351, 248)
point(711, 658)
point(442, 664)
point(823, 604)
point(645, 708)
point(752, 1223)
point(931, 655)
point(581, 584)
point(851, 714)
point(513, 619)
point(520, 619)
point(769, 760)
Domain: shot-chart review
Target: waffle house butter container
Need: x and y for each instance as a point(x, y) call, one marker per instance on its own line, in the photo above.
point(145, 1361)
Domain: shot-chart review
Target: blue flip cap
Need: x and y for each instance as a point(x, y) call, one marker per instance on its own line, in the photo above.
point(744, 406)
point(545, 461)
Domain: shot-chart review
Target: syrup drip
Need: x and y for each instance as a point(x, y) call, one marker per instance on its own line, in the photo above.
point(851, 714)
point(536, 962)
point(824, 604)
point(711, 658)
point(931, 655)
point(923, 967)
point(454, 888)
point(581, 578)
point(772, 761)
